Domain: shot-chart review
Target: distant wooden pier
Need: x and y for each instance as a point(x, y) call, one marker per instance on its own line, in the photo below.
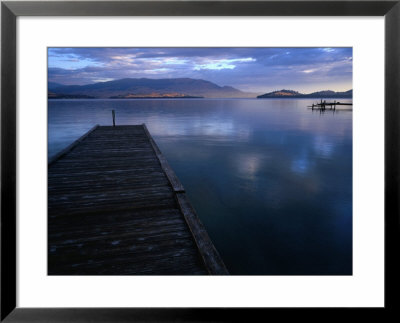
point(323, 105)
point(115, 207)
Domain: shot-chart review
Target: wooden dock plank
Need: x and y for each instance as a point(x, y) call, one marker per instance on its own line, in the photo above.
point(115, 208)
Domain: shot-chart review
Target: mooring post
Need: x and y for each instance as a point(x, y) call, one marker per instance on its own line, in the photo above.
point(113, 116)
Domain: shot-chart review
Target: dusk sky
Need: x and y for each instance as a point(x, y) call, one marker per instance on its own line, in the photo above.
point(258, 70)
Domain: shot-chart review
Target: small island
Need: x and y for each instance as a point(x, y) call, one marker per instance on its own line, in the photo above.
point(290, 94)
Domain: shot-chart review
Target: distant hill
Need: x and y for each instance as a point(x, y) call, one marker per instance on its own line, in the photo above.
point(172, 95)
point(328, 94)
point(331, 94)
point(52, 95)
point(52, 85)
point(148, 88)
point(281, 93)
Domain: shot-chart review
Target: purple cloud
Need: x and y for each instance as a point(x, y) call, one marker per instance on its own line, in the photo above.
point(249, 69)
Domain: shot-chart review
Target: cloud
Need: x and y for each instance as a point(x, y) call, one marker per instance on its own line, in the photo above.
point(250, 69)
point(223, 64)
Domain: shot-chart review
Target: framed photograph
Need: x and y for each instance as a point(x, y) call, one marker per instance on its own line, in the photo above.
point(198, 160)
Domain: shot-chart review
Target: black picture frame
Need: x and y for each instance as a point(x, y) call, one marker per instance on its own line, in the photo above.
point(10, 10)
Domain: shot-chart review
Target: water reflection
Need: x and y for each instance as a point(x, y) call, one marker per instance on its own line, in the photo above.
point(248, 164)
point(323, 147)
point(270, 180)
point(301, 165)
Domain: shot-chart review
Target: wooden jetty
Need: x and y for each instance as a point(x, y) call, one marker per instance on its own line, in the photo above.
point(323, 105)
point(115, 207)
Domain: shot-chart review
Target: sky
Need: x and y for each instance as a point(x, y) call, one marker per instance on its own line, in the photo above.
point(257, 70)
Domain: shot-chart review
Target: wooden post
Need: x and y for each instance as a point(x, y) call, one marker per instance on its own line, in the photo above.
point(113, 116)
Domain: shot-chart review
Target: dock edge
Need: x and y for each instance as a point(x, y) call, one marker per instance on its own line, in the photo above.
point(209, 254)
point(71, 146)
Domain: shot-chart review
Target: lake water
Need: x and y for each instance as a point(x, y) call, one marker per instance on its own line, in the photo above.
point(270, 179)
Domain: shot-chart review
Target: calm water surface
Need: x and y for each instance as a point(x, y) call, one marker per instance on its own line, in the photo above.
point(270, 179)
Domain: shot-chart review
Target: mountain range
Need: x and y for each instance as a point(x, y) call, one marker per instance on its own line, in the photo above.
point(147, 88)
point(294, 94)
point(133, 88)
